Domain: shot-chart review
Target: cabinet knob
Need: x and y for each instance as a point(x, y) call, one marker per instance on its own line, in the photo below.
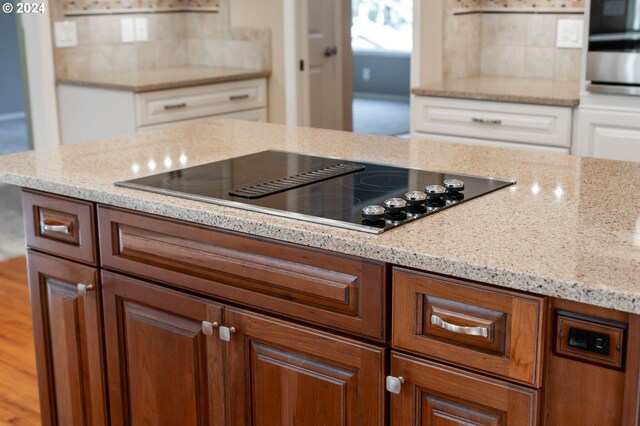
point(207, 327)
point(394, 384)
point(225, 333)
point(83, 288)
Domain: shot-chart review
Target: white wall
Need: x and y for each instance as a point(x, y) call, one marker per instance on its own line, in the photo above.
point(267, 14)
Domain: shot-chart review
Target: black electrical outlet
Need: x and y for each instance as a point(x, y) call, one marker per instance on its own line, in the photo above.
point(589, 341)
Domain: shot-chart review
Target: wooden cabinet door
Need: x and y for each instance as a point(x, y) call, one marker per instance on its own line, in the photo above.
point(437, 395)
point(65, 303)
point(288, 375)
point(163, 369)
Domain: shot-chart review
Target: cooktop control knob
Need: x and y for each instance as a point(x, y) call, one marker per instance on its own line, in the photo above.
point(395, 207)
point(373, 212)
point(454, 185)
point(416, 201)
point(454, 190)
point(435, 191)
point(435, 194)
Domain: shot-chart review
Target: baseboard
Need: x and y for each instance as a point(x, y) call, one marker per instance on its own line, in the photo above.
point(12, 116)
point(381, 97)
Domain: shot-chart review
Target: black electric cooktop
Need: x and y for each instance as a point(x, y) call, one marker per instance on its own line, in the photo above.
point(322, 190)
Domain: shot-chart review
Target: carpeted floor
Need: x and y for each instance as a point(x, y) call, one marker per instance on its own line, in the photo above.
point(13, 136)
point(12, 242)
point(380, 116)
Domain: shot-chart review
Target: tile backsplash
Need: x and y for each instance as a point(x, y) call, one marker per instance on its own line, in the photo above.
point(174, 39)
point(506, 45)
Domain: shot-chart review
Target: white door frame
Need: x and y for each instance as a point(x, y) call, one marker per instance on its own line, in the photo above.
point(41, 84)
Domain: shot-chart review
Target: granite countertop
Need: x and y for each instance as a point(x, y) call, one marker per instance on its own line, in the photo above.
point(164, 78)
point(570, 228)
point(507, 89)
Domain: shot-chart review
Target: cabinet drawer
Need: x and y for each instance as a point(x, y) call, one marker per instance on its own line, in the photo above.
point(491, 330)
point(60, 225)
point(438, 395)
point(540, 125)
point(342, 292)
point(165, 106)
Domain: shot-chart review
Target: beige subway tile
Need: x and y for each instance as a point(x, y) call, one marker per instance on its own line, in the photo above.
point(171, 26)
point(541, 30)
point(567, 64)
point(146, 55)
point(489, 60)
point(490, 25)
point(102, 58)
point(539, 62)
point(511, 61)
point(172, 53)
point(512, 29)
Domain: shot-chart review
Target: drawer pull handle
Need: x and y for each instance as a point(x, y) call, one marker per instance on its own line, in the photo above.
point(238, 97)
point(50, 227)
point(208, 327)
point(175, 106)
point(225, 333)
point(485, 121)
point(471, 331)
point(393, 384)
point(83, 288)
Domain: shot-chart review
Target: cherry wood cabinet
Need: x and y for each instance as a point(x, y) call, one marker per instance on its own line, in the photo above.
point(65, 300)
point(433, 394)
point(269, 372)
point(163, 369)
point(281, 373)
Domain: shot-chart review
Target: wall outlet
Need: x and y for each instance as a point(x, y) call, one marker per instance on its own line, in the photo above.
point(569, 33)
point(128, 34)
point(66, 34)
point(366, 74)
point(140, 25)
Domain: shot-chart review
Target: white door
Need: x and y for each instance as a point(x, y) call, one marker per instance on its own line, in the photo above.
point(325, 64)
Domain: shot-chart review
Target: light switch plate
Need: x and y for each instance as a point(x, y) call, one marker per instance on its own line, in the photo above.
point(66, 34)
point(128, 34)
point(141, 29)
point(569, 33)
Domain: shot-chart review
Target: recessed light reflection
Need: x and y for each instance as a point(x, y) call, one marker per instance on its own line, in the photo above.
point(135, 167)
point(535, 189)
point(167, 162)
point(559, 191)
point(152, 165)
point(513, 188)
point(183, 159)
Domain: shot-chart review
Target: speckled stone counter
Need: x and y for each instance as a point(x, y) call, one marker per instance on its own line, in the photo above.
point(165, 78)
point(570, 227)
point(507, 89)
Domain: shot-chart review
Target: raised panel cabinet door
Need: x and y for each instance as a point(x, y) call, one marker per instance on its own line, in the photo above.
point(432, 394)
point(288, 375)
point(164, 360)
point(65, 303)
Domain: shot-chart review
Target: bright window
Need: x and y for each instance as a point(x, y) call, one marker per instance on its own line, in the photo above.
point(382, 25)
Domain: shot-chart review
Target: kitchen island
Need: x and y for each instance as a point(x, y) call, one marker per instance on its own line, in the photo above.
point(321, 310)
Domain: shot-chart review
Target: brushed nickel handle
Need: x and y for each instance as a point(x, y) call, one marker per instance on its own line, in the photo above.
point(83, 288)
point(393, 384)
point(50, 227)
point(176, 106)
point(226, 332)
point(485, 121)
point(470, 331)
point(207, 327)
point(238, 97)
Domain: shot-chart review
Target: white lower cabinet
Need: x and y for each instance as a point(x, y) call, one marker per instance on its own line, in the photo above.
point(88, 113)
point(495, 124)
point(610, 134)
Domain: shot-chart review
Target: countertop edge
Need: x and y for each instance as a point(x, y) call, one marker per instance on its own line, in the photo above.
point(572, 103)
point(570, 290)
point(165, 86)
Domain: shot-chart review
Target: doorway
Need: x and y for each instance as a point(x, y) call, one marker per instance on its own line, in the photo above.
point(381, 42)
point(14, 134)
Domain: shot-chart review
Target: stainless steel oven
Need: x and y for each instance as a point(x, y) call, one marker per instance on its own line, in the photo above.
point(613, 57)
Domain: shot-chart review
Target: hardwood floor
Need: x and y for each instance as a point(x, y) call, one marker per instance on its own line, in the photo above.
point(18, 384)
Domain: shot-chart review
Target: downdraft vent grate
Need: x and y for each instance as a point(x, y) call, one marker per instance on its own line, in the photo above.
point(307, 178)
